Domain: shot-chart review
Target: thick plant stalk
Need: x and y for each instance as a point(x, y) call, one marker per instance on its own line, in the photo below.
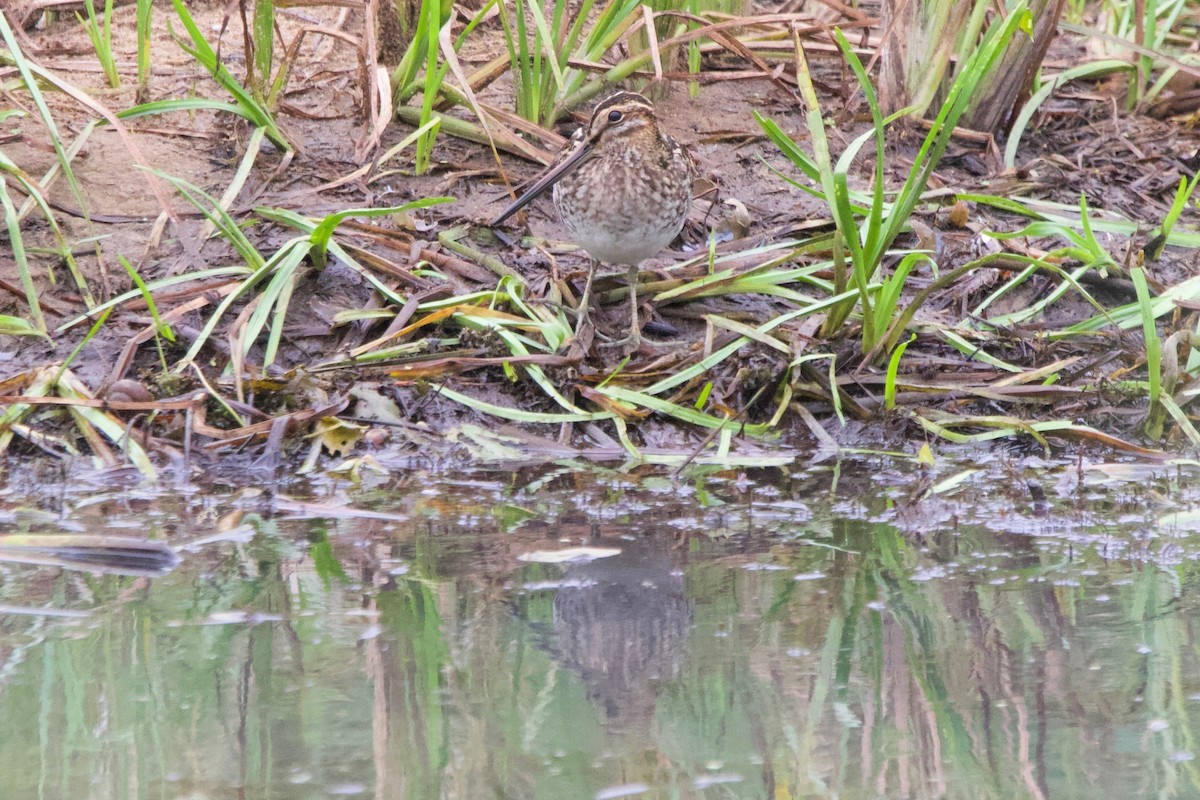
point(918, 41)
point(1005, 88)
point(395, 23)
point(921, 37)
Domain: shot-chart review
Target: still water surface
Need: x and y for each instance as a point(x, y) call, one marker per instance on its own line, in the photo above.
point(831, 631)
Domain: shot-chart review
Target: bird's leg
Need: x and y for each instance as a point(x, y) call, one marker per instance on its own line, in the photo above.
point(586, 299)
point(633, 341)
point(635, 330)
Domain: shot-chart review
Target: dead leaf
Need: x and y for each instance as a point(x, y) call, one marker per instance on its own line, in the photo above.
point(337, 436)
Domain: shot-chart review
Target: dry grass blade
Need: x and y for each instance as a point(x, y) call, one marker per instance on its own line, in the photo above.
point(36, 197)
point(135, 152)
point(94, 423)
point(110, 427)
point(28, 70)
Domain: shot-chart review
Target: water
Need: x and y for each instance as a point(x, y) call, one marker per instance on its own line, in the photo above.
point(830, 631)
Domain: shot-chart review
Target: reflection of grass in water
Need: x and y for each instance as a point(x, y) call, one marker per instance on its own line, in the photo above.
point(979, 689)
point(967, 688)
point(216, 705)
point(909, 686)
point(411, 673)
point(721, 717)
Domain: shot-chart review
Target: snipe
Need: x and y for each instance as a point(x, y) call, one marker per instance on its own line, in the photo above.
point(623, 188)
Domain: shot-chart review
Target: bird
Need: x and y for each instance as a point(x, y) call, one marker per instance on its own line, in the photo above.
point(623, 188)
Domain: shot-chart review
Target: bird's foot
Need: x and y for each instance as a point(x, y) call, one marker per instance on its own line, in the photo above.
point(629, 344)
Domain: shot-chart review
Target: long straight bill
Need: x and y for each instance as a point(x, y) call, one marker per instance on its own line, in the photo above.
point(546, 181)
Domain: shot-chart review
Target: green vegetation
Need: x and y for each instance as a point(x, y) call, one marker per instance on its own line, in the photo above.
point(876, 313)
point(254, 104)
point(100, 35)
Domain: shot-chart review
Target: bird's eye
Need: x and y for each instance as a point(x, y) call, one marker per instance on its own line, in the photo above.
point(615, 116)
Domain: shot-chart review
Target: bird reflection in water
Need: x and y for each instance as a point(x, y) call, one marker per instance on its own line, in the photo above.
point(622, 623)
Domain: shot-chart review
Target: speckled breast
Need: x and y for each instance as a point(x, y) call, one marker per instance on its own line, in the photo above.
point(623, 211)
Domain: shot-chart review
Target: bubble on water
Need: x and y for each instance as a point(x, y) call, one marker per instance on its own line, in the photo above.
point(809, 576)
point(1157, 725)
point(347, 789)
point(929, 573)
point(623, 790)
point(843, 714)
point(568, 583)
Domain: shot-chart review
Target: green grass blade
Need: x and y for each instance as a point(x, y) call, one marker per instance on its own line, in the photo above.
point(433, 24)
point(1182, 195)
point(1090, 70)
point(323, 232)
point(716, 357)
point(145, 8)
point(238, 181)
point(1150, 334)
point(889, 388)
point(516, 414)
point(92, 331)
point(101, 39)
point(164, 330)
point(203, 52)
point(183, 104)
point(211, 209)
point(163, 283)
point(263, 42)
point(676, 411)
point(16, 326)
point(264, 270)
point(275, 299)
point(26, 71)
point(17, 242)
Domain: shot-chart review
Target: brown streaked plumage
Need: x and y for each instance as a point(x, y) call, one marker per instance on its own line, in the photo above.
point(622, 187)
